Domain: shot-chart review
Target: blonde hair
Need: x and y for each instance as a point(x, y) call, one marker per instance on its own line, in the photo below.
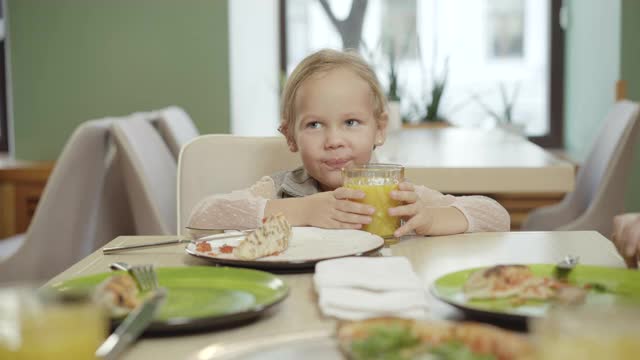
point(321, 62)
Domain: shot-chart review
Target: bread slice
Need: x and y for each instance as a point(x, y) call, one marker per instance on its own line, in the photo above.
point(269, 239)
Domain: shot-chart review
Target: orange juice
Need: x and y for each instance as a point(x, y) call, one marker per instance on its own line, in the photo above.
point(378, 196)
point(604, 331)
point(377, 181)
point(37, 330)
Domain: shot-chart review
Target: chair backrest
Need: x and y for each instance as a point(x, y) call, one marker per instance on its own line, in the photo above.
point(176, 128)
point(149, 171)
point(601, 183)
point(70, 220)
point(215, 164)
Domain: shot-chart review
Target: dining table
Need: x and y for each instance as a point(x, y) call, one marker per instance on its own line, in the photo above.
point(299, 313)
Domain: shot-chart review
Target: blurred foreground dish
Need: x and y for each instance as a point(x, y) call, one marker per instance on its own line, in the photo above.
point(588, 332)
point(41, 326)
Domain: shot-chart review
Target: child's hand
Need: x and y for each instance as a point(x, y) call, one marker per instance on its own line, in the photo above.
point(335, 210)
point(626, 237)
point(417, 215)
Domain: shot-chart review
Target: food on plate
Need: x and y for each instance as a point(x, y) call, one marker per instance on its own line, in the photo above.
point(520, 283)
point(271, 238)
point(118, 294)
point(203, 246)
point(498, 281)
point(393, 338)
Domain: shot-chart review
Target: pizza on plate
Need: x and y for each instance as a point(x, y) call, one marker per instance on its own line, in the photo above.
point(394, 338)
point(519, 282)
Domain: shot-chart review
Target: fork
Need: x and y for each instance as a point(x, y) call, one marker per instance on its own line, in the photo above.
point(564, 267)
point(139, 319)
point(144, 275)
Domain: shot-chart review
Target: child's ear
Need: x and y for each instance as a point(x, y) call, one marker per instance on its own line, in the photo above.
point(381, 132)
point(284, 130)
point(292, 144)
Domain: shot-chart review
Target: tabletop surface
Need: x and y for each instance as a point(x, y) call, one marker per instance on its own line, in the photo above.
point(431, 257)
point(497, 161)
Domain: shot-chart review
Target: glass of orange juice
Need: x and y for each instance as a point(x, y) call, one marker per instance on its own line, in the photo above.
point(593, 331)
point(36, 324)
point(377, 181)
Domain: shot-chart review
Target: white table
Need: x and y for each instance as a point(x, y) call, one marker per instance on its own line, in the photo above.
point(298, 314)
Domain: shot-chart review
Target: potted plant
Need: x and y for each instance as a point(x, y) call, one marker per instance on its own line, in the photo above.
point(393, 97)
point(504, 116)
point(432, 110)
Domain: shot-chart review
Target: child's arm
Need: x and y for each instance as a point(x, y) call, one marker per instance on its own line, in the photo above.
point(242, 209)
point(330, 209)
point(428, 212)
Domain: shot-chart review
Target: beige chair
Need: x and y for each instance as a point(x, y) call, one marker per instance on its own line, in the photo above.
point(83, 206)
point(175, 127)
point(149, 173)
point(601, 182)
point(214, 164)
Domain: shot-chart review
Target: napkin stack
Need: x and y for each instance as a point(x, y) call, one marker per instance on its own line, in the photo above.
point(357, 288)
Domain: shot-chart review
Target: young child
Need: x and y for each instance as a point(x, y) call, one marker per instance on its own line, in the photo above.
point(333, 111)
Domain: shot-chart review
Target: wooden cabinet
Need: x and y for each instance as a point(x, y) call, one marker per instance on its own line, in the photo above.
point(21, 185)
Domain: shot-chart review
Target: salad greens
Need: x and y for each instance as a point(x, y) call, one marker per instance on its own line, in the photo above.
point(399, 343)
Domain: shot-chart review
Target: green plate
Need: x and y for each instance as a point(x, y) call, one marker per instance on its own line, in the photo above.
point(612, 286)
point(201, 296)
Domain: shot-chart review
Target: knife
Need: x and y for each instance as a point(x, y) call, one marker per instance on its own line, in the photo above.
point(115, 249)
point(132, 326)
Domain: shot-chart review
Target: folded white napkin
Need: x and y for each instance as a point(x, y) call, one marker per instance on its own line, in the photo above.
point(358, 288)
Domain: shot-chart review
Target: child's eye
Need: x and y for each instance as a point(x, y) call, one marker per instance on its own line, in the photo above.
point(313, 125)
point(352, 122)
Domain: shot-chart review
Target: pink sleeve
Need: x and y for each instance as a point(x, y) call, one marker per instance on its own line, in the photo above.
point(482, 213)
point(241, 209)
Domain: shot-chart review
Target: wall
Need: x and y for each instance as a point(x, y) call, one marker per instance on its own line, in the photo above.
point(74, 60)
point(592, 61)
point(630, 71)
point(602, 47)
point(254, 65)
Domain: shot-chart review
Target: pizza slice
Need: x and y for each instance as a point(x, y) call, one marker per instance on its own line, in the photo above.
point(394, 338)
point(271, 238)
point(118, 294)
point(499, 281)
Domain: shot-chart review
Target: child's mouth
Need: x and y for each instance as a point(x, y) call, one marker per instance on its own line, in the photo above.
point(336, 164)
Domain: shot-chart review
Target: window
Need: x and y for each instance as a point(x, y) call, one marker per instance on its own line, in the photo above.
point(502, 59)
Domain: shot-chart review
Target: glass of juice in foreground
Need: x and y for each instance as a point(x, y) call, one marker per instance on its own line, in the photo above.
point(40, 325)
point(610, 330)
point(377, 181)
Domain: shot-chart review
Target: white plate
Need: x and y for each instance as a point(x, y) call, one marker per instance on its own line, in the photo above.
point(307, 246)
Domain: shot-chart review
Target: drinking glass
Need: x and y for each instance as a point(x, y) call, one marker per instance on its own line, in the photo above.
point(377, 181)
point(36, 324)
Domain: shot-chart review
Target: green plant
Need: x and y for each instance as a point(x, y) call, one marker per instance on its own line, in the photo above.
point(432, 110)
point(505, 114)
point(393, 95)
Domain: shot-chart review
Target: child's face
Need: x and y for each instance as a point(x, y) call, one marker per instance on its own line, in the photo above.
point(335, 126)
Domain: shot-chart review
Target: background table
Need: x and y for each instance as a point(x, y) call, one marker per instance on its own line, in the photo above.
point(21, 185)
point(299, 313)
point(517, 173)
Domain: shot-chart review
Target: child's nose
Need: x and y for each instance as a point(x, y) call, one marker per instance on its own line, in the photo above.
point(334, 139)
